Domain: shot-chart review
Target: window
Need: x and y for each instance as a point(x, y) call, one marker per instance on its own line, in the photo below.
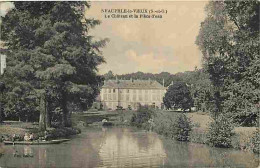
point(114, 90)
point(134, 97)
point(114, 96)
point(153, 97)
point(140, 98)
point(127, 91)
point(109, 90)
point(105, 96)
point(146, 97)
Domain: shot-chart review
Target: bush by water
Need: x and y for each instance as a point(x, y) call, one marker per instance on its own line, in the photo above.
point(220, 132)
point(175, 125)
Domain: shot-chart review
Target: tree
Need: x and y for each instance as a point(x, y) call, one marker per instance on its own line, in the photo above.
point(229, 41)
point(178, 96)
point(51, 50)
point(201, 90)
point(109, 75)
point(2, 87)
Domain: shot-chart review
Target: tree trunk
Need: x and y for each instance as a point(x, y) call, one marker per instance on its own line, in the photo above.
point(65, 114)
point(1, 113)
point(48, 117)
point(42, 121)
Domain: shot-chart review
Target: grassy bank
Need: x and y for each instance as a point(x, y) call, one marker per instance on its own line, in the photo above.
point(170, 124)
point(9, 128)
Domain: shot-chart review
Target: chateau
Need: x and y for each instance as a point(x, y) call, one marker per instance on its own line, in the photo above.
point(131, 94)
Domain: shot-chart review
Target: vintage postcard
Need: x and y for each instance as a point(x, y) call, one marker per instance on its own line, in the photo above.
point(87, 84)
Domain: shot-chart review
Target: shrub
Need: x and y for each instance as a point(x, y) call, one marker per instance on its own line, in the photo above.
point(198, 136)
point(141, 118)
point(162, 124)
point(220, 132)
point(256, 141)
point(181, 128)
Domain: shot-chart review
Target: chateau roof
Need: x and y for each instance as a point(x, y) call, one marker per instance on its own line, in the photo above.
point(138, 84)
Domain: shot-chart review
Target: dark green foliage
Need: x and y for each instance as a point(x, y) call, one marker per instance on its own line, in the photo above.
point(177, 126)
point(178, 96)
point(229, 41)
point(201, 90)
point(141, 117)
point(181, 128)
point(167, 77)
point(56, 133)
point(51, 55)
point(256, 141)
point(220, 132)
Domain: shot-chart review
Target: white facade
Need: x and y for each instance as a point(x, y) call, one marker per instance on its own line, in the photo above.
point(111, 97)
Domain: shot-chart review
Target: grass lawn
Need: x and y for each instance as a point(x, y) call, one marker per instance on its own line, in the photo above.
point(16, 127)
point(203, 120)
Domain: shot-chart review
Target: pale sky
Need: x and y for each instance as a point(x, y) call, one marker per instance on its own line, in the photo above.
point(148, 45)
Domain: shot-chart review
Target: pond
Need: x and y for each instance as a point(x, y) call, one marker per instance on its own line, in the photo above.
point(123, 147)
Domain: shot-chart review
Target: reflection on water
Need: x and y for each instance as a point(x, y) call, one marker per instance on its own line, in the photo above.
point(131, 149)
point(123, 147)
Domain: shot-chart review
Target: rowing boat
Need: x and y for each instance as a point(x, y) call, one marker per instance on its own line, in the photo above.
point(57, 141)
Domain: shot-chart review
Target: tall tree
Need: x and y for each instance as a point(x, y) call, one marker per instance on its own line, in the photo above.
point(178, 96)
point(229, 41)
point(51, 50)
point(109, 75)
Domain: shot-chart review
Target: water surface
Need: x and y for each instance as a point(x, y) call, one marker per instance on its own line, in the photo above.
point(123, 147)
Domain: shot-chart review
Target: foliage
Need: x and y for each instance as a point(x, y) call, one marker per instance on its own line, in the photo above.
point(229, 41)
point(178, 96)
point(220, 132)
point(109, 75)
point(52, 54)
point(256, 141)
point(182, 127)
point(141, 118)
point(172, 125)
point(201, 90)
point(167, 77)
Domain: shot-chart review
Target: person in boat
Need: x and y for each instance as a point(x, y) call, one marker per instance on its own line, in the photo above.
point(26, 137)
point(46, 136)
point(31, 137)
point(14, 137)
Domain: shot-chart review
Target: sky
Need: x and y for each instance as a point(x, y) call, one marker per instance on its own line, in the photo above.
point(152, 45)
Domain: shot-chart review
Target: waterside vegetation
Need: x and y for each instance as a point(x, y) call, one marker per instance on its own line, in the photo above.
point(191, 127)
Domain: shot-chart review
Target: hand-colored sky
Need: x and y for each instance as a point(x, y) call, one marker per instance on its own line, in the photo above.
point(148, 45)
